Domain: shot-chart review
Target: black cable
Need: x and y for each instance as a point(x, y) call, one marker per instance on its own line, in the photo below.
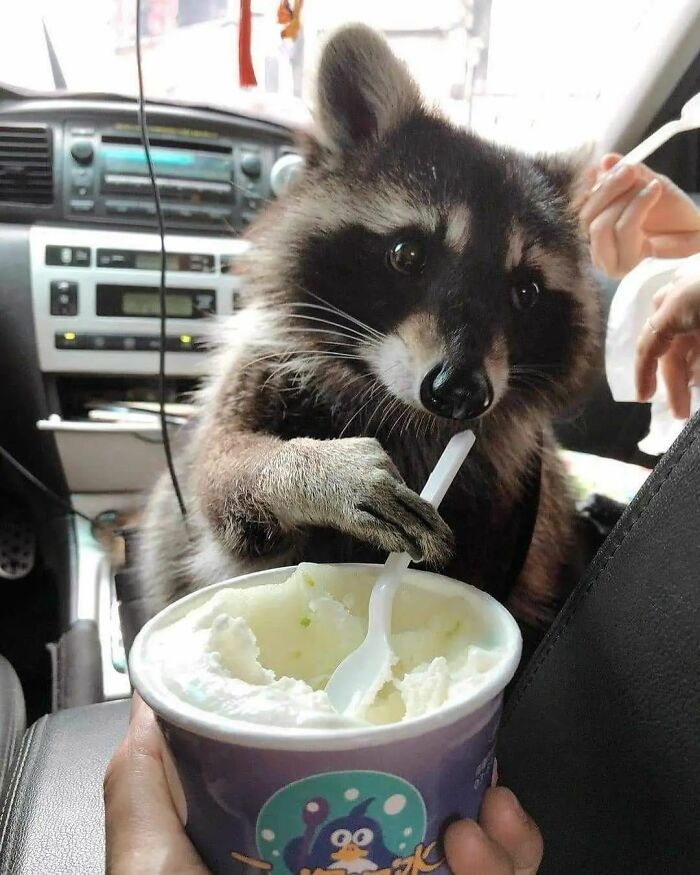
point(18, 466)
point(161, 233)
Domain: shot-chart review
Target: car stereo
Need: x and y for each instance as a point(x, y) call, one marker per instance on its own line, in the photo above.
point(206, 181)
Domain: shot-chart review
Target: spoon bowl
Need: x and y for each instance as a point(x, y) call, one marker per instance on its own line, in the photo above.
point(689, 120)
point(360, 676)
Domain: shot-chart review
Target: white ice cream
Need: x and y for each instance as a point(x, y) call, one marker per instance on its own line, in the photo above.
point(263, 654)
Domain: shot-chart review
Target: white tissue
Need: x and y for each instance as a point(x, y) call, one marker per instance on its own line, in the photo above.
point(630, 309)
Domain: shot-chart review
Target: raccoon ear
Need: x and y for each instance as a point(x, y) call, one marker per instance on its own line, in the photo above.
point(310, 148)
point(363, 89)
point(571, 174)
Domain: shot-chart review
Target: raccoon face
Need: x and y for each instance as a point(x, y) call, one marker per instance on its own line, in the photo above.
point(453, 268)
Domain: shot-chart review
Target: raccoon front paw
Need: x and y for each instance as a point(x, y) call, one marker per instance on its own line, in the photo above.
point(358, 490)
point(389, 515)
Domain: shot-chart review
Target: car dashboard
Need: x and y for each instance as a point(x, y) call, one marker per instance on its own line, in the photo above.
point(80, 259)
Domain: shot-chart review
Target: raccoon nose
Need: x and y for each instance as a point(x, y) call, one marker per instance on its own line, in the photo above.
point(456, 394)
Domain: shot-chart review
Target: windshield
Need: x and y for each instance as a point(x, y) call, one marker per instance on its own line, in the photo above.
point(533, 73)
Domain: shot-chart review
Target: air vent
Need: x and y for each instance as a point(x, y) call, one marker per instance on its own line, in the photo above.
point(25, 165)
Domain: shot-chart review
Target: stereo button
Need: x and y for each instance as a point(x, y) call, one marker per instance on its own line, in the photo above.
point(82, 151)
point(251, 164)
point(148, 343)
point(64, 298)
point(69, 340)
point(87, 206)
point(103, 341)
point(68, 256)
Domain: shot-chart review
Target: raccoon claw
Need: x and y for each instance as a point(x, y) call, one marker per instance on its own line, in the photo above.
point(390, 531)
point(398, 520)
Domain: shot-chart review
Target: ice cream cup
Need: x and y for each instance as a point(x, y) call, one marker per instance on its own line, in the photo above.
point(261, 799)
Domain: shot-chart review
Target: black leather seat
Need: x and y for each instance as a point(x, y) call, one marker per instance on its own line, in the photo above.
point(53, 817)
point(12, 721)
point(600, 738)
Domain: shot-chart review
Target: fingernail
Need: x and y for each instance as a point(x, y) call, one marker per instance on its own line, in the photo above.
point(516, 806)
point(618, 170)
point(649, 189)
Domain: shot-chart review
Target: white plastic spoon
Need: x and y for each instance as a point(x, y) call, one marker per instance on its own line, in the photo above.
point(362, 673)
point(689, 121)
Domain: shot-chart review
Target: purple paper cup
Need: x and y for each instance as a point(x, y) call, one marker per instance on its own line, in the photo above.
point(288, 801)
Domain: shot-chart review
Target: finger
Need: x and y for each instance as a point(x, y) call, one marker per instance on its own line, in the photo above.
point(137, 706)
point(143, 831)
point(631, 242)
point(659, 297)
point(655, 340)
point(650, 346)
point(469, 851)
point(679, 244)
point(608, 161)
point(604, 246)
point(676, 375)
point(505, 822)
point(609, 187)
point(584, 188)
point(693, 359)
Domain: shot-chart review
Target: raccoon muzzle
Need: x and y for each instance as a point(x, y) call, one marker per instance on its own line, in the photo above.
point(456, 394)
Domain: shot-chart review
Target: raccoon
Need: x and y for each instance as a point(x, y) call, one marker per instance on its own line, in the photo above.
point(415, 281)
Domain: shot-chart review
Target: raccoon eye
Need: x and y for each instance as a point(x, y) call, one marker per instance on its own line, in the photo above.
point(407, 256)
point(524, 295)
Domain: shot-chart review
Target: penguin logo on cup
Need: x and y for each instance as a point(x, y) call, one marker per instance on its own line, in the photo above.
point(345, 822)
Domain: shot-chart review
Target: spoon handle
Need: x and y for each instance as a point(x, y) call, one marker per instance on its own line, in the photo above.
point(448, 465)
point(436, 486)
point(652, 142)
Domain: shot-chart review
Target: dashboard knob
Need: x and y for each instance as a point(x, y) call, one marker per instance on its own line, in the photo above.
point(82, 151)
point(284, 172)
point(251, 164)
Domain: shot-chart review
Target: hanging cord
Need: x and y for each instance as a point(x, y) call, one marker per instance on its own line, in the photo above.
point(18, 466)
point(163, 302)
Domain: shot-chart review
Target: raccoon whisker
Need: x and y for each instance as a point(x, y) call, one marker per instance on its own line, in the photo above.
point(364, 390)
point(387, 399)
point(534, 369)
point(364, 406)
point(345, 328)
point(417, 421)
point(390, 401)
point(337, 310)
point(401, 415)
point(407, 422)
point(294, 364)
point(333, 308)
point(390, 408)
point(530, 386)
point(533, 379)
point(353, 343)
point(336, 327)
point(292, 354)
